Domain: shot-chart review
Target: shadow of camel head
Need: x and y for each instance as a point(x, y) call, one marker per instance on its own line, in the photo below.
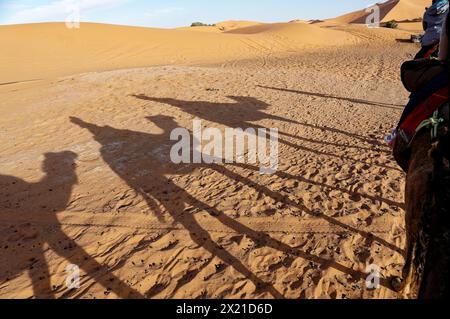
point(163, 121)
point(82, 124)
point(96, 130)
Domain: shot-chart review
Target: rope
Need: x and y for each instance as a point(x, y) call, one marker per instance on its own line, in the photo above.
point(433, 123)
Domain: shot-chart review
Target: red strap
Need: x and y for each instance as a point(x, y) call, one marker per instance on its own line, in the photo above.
point(424, 111)
point(431, 51)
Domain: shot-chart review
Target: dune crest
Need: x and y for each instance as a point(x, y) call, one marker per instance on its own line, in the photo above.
point(223, 26)
point(236, 24)
point(397, 10)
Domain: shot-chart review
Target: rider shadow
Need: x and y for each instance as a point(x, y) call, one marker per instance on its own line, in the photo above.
point(41, 202)
point(142, 162)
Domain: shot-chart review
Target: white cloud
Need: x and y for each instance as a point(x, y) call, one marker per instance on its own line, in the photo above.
point(57, 10)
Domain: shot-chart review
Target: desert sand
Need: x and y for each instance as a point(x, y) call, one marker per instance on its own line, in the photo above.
point(85, 177)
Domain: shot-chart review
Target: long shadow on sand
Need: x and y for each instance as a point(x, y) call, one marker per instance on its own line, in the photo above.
point(142, 161)
point(362, 138)
point(44, 199)
point(243, 112)
point(329, 96)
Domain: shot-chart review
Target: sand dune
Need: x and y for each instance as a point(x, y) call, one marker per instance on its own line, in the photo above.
point(407, 10)
point(398, 10)
point(308, 34)
point(236, 24)
point(222, 26)
point(48, 50)
point(37, 51)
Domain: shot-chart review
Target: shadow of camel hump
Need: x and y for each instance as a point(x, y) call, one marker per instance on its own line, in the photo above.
point(43, 200)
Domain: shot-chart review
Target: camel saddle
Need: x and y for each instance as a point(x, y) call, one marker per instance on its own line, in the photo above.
point(428, 80)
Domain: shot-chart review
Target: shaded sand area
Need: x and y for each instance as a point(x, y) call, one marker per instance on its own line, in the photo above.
point(85, 175)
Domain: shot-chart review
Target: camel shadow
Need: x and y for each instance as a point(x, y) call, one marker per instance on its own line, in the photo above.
point(231, 114)
point(42, 201)
point(141, 161)
point(244, 111)
point(329, 96)
point(241, 113)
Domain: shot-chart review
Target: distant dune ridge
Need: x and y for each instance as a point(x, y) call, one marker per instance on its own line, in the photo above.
point(236, 24)
point(222, 26)
point(36, 51)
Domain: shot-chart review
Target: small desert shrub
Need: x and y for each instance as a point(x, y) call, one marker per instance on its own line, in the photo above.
point(392, 25)
point(201, 24)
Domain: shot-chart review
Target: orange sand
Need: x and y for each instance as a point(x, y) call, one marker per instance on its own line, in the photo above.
point(85, 177)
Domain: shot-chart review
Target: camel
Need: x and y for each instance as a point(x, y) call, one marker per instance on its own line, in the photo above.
point(426, 271)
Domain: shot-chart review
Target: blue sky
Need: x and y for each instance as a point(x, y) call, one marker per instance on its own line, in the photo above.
point(173, 13)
